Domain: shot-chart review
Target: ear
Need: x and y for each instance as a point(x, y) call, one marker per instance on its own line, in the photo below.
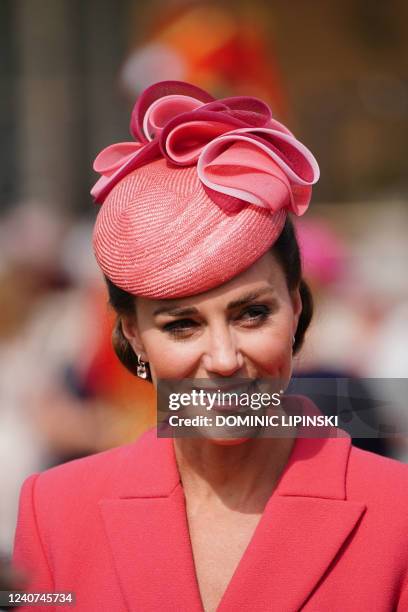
point(131, 332)
point(297, 308)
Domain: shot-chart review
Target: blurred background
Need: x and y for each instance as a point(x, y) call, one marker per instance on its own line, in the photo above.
point(335, 72)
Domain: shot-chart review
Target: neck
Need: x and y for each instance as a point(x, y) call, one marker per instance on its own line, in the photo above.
point(241, 476)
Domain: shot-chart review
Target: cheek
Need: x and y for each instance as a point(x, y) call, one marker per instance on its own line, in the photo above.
point(169, 358)
point(270, 350)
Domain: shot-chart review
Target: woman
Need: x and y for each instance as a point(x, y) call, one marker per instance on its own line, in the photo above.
point(203, 269)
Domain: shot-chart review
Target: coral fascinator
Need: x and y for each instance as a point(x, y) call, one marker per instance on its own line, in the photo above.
point(201, 193)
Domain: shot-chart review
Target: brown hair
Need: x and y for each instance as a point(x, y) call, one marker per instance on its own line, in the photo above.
point(285, 249)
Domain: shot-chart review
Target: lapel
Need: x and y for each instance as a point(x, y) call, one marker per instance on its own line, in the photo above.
point(304, 525)
point(147, 530)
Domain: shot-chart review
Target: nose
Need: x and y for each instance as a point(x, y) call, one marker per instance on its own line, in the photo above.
point(222, 356)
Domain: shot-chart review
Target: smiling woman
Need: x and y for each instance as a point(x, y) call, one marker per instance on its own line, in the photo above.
point(283, 258)
point(204, 272)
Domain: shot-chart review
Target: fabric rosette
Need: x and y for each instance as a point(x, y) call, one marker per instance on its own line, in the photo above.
point(242, 154)
point(204, 181)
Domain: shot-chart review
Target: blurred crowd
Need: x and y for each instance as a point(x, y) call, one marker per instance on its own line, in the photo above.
point(62, 392)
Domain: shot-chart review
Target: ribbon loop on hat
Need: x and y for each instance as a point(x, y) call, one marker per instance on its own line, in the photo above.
point(149, 98)
point(247, 109)
point(164, 109)
point(114, 156)
point(257, 171)
point(118, 160)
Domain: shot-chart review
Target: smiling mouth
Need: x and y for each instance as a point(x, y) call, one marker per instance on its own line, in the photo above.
point(247, 387)
point(231, 406)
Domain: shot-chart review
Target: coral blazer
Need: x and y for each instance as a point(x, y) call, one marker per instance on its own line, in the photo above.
point(113, 528)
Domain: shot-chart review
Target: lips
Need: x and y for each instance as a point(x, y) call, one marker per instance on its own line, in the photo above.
point(230, 406)
point(246, 387)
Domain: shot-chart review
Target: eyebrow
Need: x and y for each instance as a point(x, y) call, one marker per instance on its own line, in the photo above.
point(177, 311)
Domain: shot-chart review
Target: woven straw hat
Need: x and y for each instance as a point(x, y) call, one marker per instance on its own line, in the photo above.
point(200, 195)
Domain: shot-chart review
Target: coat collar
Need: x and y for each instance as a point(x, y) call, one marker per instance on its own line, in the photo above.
point(304, 524)
point(316, 466)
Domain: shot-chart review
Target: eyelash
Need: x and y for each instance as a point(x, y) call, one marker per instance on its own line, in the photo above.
point(182, 327)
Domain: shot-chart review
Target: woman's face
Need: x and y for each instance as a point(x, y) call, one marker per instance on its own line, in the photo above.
point(242, 329)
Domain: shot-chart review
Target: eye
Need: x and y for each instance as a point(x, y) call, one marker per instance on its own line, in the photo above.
point(180, 328)
point(255, 314)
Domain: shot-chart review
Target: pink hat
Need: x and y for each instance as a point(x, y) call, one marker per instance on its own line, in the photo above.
point(200, 195)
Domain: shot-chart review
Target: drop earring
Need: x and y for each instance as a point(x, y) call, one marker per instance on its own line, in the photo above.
point(141, 368)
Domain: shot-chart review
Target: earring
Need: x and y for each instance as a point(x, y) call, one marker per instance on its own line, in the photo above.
point(141, 369)
point(293, 340)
